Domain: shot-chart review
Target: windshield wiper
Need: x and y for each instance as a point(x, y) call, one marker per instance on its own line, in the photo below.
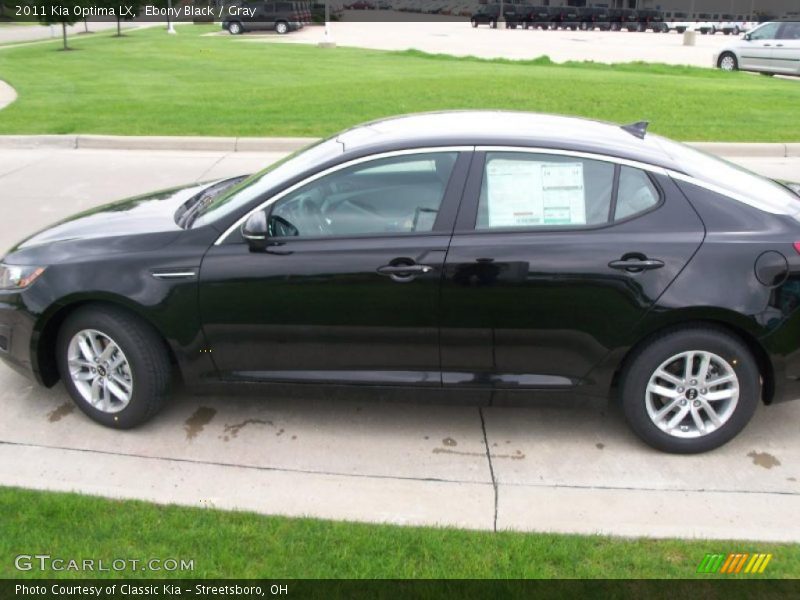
point(194, 206)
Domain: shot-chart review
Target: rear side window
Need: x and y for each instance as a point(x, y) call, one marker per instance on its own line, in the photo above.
point(636, 193)
point(541, 190)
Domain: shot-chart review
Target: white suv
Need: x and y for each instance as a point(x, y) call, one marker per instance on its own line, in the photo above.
point(769, 48)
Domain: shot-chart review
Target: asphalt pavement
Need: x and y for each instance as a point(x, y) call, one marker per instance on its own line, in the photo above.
point(567, 467)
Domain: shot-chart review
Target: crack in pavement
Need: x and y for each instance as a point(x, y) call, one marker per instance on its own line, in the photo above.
point(491, 467)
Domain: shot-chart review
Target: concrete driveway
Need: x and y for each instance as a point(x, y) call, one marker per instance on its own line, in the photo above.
point(567, 467)
point(459, 39)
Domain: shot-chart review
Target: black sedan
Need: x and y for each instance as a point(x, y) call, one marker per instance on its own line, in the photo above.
point(472, 250)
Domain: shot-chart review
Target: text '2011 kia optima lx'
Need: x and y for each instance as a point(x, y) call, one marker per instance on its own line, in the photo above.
point(472, 250)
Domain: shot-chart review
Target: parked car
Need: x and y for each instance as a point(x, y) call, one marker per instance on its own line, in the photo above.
point(729, 25)
point(769, 48)
point(515, 14)
point(680, 22)
point(487, 14)
point(496, 251)
point(621, 18)
point(282, 17)
point(540, 16)
point(594, 18)
point(647, 19)
point(565, 17)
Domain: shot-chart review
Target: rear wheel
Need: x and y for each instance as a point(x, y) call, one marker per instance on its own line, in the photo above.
point(235, 28)
point(114, 366)
point(493, 24)
point(690, 390)
point(281, 27)
point(727, 62)
point(474, 23)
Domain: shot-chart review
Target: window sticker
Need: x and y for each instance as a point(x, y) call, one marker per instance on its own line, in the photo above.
point(526, 193)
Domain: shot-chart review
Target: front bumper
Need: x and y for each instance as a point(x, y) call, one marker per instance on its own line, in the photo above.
point(16, 333)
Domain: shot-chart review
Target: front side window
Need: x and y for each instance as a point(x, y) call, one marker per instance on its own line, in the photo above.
point(522, 189)
point(765, 32)
point(400, 194)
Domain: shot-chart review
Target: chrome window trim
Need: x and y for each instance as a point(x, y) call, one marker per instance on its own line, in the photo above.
point(356, 161)
point(577, 154)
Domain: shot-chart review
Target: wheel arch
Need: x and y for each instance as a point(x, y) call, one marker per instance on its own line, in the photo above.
point(729, 326)
point(43, 341)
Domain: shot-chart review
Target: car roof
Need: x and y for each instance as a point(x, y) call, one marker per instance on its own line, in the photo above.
point(503, 128)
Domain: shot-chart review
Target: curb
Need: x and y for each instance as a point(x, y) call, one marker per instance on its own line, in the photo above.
point(289, 144)
point(192, 143)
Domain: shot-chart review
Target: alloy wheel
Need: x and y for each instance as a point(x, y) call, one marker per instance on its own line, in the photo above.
point(692, 394)
point(100, 371)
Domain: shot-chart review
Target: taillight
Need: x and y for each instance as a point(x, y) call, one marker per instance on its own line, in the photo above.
point(797, 247)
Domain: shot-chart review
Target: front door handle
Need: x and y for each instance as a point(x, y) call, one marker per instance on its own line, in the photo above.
point(403, 273)
point(636, 265)
point(779, 45)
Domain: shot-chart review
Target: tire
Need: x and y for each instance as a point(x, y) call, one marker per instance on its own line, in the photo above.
point(281, 27)
point(584, 26)
point(235, 28)
point(677, 430)
point(145, 366)
point(680, 29)
point(474, 23)
point(728, 62)
point(765, 74)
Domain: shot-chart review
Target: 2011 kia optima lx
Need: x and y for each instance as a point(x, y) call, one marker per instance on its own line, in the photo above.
point(492, 250)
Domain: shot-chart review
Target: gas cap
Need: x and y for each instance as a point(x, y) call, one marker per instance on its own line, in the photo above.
point(771, 268)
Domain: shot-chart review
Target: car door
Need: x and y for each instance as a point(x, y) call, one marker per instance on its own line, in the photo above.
point(786, 54)
point(756, 51)
point(348, 287)
point(554, 259)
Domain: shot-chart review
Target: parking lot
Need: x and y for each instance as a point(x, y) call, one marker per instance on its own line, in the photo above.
point(571, 466)
point(458, 38)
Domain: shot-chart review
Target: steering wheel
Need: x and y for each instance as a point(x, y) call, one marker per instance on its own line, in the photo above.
point(310, 211)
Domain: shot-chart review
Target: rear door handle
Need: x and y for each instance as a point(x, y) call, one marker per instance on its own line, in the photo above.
point(636, 265)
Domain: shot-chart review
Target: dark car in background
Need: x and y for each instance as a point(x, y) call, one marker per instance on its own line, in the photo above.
point(565, 17)
point(282, 17)
point(487, 14)
point(594, 18)
point(647, 19)
point(498, 252)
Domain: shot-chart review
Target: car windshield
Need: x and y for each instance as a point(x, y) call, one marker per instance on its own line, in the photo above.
point(733, 180)
point(262, 182)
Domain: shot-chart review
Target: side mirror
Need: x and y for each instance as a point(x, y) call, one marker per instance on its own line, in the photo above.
point(254, 231)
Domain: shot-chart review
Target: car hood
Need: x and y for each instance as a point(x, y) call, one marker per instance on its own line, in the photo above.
point(792, 185)
point(141, 223)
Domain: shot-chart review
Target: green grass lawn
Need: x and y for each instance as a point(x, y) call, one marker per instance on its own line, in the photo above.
point(245, 545)
point(149, 83)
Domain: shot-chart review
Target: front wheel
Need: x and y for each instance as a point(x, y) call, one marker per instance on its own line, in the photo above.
point(690, 390)
point(235, 28)
point(281, 27)
point(114, 366)
point(727, 62)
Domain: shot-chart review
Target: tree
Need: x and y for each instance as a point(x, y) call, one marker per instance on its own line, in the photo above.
point(64, 12)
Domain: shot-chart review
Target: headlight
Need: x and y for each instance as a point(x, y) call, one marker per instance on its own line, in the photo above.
point(14, 277)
